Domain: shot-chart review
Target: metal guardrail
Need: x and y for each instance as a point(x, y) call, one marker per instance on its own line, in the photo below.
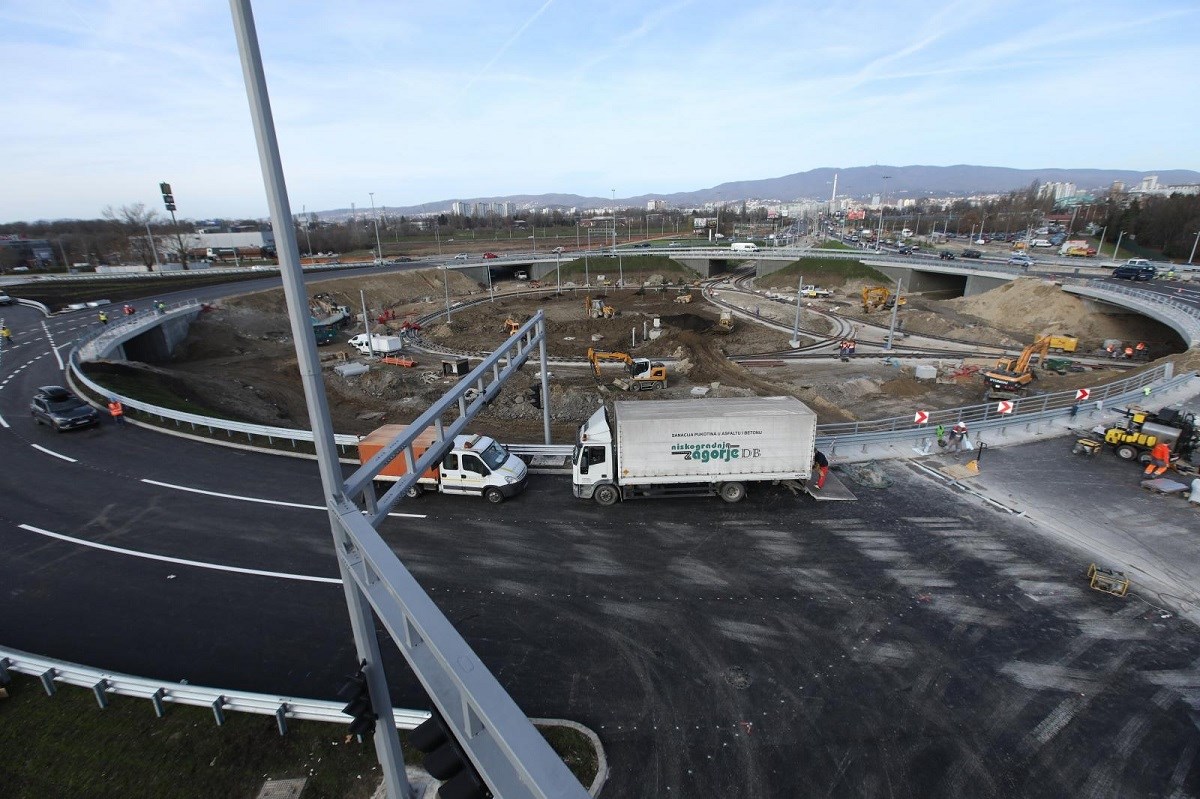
point(889, 431)
point(176, 273)
point(103, 683)
point(1185, 318)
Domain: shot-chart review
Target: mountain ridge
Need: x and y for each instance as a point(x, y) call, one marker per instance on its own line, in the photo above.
point(902, 182)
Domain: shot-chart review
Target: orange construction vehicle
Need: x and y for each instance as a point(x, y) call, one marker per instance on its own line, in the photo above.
point(1013, 375)
point(644, 374)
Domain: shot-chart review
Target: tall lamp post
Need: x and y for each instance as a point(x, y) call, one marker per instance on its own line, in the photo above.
point(169, 201)
point(378, 246)
point(446, 284)
point(1100, 249)
point(1194, 243)
point(307, 240)
point(1118, 246)
point(882, 202)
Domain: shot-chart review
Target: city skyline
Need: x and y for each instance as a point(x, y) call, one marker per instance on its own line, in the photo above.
point(420, 105)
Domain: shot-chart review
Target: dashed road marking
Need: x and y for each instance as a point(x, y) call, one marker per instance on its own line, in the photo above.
point(3, 423)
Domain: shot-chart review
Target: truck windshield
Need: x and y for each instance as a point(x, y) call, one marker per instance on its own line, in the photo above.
point(494, 456)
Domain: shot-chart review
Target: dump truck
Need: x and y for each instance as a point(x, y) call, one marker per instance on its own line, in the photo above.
point(699, 447)
point(470, 464)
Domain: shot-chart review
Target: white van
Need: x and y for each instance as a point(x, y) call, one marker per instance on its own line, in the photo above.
point(1040, 243)
point(744, 246)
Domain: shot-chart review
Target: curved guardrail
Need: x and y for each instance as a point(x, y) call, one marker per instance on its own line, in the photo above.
point(837, 437)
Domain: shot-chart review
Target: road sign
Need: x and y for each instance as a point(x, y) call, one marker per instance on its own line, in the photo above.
point(921, 417)
point(1083, 394)
point(1004, 406)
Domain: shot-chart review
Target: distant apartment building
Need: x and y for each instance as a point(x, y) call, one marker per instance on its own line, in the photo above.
point(16, 250)
point(460, 208)
point(1149, 186)
point(1056, 191)
point(229, 244)
point(656, 205)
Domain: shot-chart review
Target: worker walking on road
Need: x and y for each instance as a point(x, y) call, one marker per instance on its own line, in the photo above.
point(1160, 460)
point(117, 410)
point(103, 318)
point(822, 465)
point(5, 337)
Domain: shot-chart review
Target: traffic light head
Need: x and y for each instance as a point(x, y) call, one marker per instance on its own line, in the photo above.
point(359, 707)
point(445, 760)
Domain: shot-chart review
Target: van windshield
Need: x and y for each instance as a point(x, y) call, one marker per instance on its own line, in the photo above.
point(494, 456)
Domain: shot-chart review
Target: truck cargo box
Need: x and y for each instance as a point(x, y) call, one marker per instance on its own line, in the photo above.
point(707, 440)
point(377, 439)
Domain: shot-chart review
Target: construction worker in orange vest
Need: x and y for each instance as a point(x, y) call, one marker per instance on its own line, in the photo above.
point(116, 410)
point(1160, 460)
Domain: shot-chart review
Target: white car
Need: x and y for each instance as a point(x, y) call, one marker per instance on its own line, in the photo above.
point(559, 249)
point(462, 256)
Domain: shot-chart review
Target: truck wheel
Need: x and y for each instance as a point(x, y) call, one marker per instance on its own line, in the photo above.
point(493, 495)
point(732, 492)
point(607, 495)
point(1127, 453)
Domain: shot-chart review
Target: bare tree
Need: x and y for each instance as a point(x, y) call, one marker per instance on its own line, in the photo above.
point(135, 220)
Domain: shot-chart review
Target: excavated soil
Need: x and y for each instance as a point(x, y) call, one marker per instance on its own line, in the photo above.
point(239, 359)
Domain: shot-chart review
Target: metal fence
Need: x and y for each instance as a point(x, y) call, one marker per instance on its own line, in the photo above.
point(220, 700)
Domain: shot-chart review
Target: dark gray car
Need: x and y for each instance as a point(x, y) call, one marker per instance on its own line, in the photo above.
point(62, 410)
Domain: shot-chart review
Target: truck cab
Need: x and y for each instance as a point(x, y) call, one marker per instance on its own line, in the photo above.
point(592, 459)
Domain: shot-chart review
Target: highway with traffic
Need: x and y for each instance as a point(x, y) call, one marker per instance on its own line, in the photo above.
point(929, 639)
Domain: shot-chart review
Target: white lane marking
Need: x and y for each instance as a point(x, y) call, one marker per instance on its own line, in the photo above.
point(3, 423)
point(181, 561)
point(53, 348)
point(261, 500)
point(52, 452)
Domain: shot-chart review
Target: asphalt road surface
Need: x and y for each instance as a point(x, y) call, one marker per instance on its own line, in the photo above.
point(915, 643)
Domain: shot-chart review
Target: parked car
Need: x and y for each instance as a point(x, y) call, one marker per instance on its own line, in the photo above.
point(946, 255)
point(462, 256)
point(490, 255)
point(972, 254)
point(643, 245)
point(62, 410)
point(905, 250)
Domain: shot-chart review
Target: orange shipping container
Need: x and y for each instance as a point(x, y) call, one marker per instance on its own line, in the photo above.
point(376, 440)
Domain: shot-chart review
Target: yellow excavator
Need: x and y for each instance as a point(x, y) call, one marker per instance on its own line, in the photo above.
point(598, 309)
point(874, 297)
point(644, 374)
point(1013, 375)
point(511, 326)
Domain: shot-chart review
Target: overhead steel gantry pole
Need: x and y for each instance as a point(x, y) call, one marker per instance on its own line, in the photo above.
point(502, 745)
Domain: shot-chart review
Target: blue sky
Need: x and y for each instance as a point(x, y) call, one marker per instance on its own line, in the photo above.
point(432, 101)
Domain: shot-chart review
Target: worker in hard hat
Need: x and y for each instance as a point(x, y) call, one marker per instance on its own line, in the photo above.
point(1160, 460)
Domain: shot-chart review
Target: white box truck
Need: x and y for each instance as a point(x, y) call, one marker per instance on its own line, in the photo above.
point(700, 447)
point(380, 345)
point(474, 465)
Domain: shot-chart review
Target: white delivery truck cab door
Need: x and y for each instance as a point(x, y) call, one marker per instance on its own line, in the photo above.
point(463, 473)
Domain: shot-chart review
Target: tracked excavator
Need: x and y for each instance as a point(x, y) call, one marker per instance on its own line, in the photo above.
point(644, 374)
point(875, 297)
point(1013, 375)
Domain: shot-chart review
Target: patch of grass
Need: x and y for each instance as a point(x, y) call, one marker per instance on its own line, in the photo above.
point(58, 294)
point(148, 387)
point(822, 272)
point(639, 267)
point(66, 746)
point(833, 244)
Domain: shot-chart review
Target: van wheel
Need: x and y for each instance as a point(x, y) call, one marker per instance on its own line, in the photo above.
point(732, 492)
point(494, 495)
point(413, 491)
point(607, 495)
point(1126, 452)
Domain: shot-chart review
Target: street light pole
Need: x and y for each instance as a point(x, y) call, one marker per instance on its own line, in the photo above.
point(1194, 243)
point(558, 269)
point(882, 201)
point(1118, 247)
point(1100, 249)
point(446, 283)
point(378, 246)
point(795, 341)
point(307, 240)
